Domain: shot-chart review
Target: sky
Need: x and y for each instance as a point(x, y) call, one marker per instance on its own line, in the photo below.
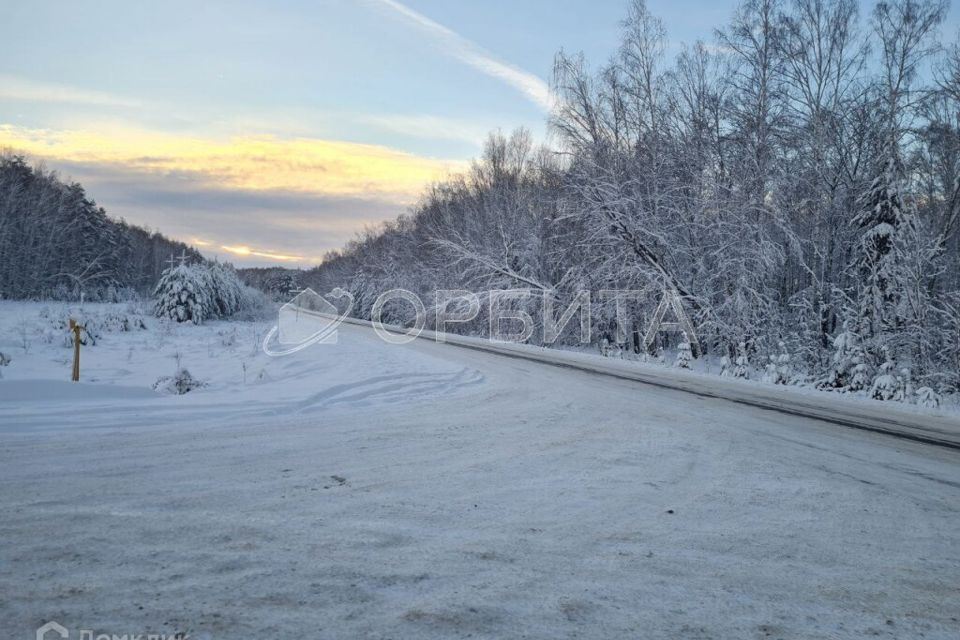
point(272, 132)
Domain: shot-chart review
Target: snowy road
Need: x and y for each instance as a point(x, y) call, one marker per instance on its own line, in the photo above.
point(428, 491)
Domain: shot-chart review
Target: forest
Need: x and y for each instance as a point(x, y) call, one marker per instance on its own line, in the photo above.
point(55, 241)
point(796, 180)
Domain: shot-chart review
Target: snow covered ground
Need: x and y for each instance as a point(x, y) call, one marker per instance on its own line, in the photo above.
point(363, 490)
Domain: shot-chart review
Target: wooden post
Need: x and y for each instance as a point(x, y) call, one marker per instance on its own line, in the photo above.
point(76, 328)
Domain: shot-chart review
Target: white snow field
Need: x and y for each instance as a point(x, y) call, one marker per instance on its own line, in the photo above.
point(366, 490)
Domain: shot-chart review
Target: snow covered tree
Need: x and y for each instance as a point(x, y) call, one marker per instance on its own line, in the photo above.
point(198, 292)
point(178, 384)
point(927, 397)
point(726, 367)
point(227, 291)
point(849, 370)
point(770, 181)
point(684, 355)
point(886, 222)
point(185, 294)
point(891, 384)
point(742, 370)
point(55, 241)
point(778, 369)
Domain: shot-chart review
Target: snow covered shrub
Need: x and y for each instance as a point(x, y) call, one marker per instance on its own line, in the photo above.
point(927, 397)
point(227, 290)
point(115, 322)
point(778, 369)
point(5, 360)
point(726, 367)
point(684, 354)
point(179, 383)
point(891, 384)
point(770, 375)
point(742, 370)
point(849, 370)
point(95, 323)
point(255, 305)
point(228, 338)
point(610, 349)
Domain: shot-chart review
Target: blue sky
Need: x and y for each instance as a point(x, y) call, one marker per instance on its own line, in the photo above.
point(282, 128)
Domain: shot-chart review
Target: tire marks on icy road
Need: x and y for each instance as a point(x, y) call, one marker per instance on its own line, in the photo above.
point(409, 387)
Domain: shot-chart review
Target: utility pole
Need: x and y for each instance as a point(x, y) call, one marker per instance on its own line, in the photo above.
point(175, 260)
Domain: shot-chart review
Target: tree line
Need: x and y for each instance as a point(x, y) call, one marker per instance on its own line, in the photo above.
point(55, 241)
point(796, 180)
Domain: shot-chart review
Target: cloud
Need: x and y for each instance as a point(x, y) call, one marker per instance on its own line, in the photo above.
point(17, 88)
point(535, 89)
point(247, 163)
point(253, 201)
point(245, 251)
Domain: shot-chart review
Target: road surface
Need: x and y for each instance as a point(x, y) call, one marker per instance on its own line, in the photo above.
point(429, 491)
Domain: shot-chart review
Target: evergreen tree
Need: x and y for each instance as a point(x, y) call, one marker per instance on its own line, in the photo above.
point(742, 370)
point(849, 370)
point(185, 294)
point(684, 355)
point(887, 224)
point(226, 289)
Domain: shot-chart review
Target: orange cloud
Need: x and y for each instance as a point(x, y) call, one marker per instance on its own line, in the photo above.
point(246, 252)
point(254, 163)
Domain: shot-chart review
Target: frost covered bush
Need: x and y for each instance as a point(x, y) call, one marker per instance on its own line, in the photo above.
point(888, 385)
point(227, 290)
point(95, 323)
point(742, 370)
point(179, 383)
point(891, 384)
point(610, 349)
point(849, 370)
point(726, 367)
point(927, 397)
point(684, 355)
point(778, 369)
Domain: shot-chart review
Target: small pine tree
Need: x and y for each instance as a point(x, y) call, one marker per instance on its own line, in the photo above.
point(770, 375)
point(849, 370)
point(725, 367)
point(927, 397)
point(777, 370)
point(684, 355)
point(281, 284)
point(887, 385)
point(178, 384)
point(226, 289)
point(184, 294)
point(784, 366)
point(742, 370)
